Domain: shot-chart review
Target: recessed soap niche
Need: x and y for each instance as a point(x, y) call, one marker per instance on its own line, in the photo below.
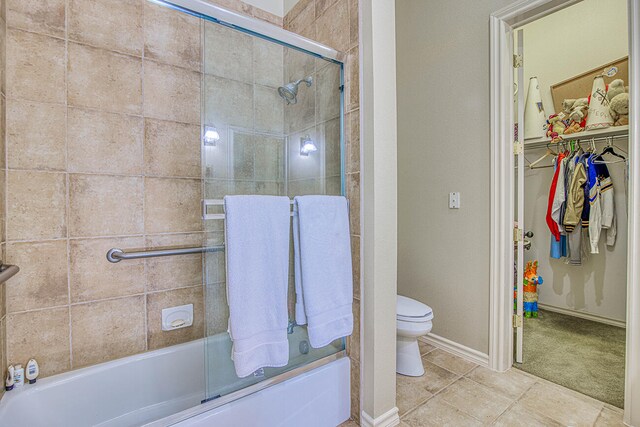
point(177, 317)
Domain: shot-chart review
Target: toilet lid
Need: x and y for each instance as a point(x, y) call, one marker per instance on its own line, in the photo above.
point(410, 309)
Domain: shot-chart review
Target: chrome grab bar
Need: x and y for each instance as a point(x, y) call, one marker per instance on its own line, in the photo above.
point(117, 255)
point(7, 271)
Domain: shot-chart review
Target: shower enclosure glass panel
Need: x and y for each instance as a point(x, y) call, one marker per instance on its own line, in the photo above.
point(271, 125)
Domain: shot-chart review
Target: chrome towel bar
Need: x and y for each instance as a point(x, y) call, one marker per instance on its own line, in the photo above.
point(117, 255)
point(7, 271)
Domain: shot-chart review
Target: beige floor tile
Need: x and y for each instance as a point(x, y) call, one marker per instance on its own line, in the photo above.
point(518, 416)
point(475, 400)
point(609, 418)
point(450, 362)
point(411, 391)
point(511, 384)
point(438, 413)
point(425, 347)
point(349, 423)
point(563, 405)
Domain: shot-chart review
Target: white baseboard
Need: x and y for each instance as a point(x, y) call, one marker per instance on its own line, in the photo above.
point(583, 315)
point(388, 419)
point(465, 352)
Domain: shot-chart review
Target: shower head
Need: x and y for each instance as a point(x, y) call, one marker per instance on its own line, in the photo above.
point(289, 92)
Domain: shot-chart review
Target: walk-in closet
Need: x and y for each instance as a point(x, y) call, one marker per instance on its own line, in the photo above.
point(572, 75)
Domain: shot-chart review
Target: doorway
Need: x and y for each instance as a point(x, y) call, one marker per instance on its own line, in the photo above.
point(507, 207)
point(571, 293)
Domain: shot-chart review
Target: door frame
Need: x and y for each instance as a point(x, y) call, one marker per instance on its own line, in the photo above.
point(503, 201)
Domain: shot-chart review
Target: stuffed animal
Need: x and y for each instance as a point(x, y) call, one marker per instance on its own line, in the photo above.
point(567, 105)
point(579, 110)
point(573, 128)
point(556, 125)
point(619, 109)
point(616, 87)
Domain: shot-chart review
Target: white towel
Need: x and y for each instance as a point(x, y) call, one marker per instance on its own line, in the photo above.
point(323, 275)
point(257, 256)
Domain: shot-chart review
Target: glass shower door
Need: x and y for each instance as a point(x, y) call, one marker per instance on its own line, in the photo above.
point(271, 125)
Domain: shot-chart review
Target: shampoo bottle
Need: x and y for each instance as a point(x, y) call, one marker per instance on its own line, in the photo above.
point(32, 371)
point(10, 381)
point(18, 375)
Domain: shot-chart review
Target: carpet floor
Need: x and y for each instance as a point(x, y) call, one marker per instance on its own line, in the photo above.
point(579, 354)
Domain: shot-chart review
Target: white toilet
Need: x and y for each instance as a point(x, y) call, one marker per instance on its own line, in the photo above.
point(413, 320)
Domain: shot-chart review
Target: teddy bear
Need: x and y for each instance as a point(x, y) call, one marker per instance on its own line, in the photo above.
point(619, 109)
point(567, 105)
point(579, 110)
point(616, 87)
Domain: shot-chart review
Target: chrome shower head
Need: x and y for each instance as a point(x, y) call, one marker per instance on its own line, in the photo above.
point(289, 92)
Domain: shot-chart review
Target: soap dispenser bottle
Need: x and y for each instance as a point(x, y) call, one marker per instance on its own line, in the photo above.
point(18, 375)
point(10, 381)
point(32, 371)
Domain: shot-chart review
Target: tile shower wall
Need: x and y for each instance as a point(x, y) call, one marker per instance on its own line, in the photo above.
point(103, 150)
point(335, 23)
point(3, 103)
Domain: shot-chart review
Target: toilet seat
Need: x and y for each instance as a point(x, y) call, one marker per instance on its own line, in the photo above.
point(410, 310)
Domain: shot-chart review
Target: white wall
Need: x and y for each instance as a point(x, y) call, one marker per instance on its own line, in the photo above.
point(599, 286)
point(378, 136)
point(273, 6)
point(288, 5)
point(574, 40)
point(443, 146)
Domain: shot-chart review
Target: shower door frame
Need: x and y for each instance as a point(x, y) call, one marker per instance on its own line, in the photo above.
point(502, 25)
point(256, 28)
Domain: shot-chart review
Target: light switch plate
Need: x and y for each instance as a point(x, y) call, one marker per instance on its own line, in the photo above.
point(454, 200)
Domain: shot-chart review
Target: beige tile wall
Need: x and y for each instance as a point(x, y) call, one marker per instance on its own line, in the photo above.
point(3, 103)
point(103, 150)
point(335, 23)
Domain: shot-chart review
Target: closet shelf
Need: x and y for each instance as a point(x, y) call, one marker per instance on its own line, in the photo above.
point(612, 131)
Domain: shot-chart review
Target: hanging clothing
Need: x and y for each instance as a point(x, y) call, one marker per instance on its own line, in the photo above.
point(595, 209)
point(551, 223)
point(575, 198)
point(609, 221)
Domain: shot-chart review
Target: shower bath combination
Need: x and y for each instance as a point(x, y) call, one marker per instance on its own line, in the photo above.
point(289, 92)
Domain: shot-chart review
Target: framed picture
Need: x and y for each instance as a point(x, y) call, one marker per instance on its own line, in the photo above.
point(580, 85)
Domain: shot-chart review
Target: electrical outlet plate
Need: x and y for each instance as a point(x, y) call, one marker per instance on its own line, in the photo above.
point(177, 317)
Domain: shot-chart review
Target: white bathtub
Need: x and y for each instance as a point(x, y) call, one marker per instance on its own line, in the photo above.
point(165, 387)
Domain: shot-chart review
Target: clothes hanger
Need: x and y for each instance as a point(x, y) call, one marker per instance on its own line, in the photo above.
point(549, 153)
point(610, 150)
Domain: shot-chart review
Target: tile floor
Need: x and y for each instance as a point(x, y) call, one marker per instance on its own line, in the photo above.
point(456, 392)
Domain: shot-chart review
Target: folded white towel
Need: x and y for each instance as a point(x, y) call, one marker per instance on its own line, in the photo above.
point(323, 275)
point(257, 256)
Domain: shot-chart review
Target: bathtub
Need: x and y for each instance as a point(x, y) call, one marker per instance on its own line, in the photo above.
point(169, 387)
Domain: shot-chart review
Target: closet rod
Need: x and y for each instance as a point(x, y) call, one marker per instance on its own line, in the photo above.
point(543, 144)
